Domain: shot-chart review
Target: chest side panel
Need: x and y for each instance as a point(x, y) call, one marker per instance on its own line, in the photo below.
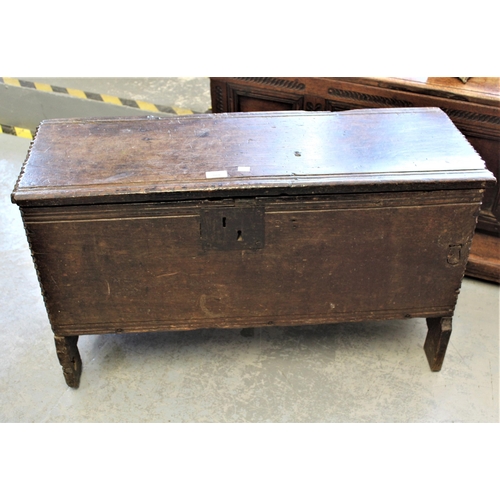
point(146, 267)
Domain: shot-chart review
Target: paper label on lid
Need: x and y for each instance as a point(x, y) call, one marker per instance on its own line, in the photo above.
point(216, 174)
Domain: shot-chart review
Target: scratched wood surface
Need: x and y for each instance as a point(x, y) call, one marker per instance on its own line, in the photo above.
point(144, 267)
point(76, 161)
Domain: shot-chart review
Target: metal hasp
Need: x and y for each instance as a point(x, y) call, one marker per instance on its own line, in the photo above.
point(232, 228)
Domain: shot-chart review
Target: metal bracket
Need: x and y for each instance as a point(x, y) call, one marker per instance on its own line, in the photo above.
point(454, 254)
point(232, 228)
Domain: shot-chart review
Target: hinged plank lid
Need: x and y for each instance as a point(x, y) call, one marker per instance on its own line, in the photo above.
point(80, 161)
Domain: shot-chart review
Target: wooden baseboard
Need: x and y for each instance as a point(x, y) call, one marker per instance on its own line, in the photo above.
point(484, 258)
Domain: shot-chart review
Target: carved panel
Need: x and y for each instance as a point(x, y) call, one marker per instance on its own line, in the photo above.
point(276, 82)
point(313, 103)
point(486, 126)
point(245, 99)
point(368, 100)
point(219, 102)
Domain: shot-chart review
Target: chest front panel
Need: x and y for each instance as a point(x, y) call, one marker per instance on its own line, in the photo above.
point(283, 260)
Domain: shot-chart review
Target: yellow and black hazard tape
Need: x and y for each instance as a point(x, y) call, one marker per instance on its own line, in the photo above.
point(18, 131)
point(119, 101)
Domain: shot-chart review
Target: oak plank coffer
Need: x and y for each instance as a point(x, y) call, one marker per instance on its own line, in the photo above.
point(245, 220)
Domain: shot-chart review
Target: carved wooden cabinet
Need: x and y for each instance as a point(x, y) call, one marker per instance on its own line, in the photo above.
point(474, 107)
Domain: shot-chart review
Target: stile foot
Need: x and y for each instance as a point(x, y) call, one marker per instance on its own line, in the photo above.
point(70, 360)
point(436, 342)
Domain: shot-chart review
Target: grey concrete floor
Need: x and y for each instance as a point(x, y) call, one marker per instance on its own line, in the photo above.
point(359, 372)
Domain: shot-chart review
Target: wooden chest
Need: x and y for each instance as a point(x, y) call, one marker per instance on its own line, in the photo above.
point(245, 220)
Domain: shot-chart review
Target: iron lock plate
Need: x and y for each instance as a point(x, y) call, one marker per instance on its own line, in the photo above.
point(232, 228)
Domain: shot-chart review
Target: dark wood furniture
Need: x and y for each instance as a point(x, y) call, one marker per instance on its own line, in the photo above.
point(244, 220)
point(474, 107)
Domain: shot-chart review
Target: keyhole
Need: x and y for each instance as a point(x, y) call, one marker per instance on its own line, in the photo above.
point(223, 222)
point(239, 237)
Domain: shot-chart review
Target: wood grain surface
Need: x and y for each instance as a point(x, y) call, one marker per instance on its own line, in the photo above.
point(341, 258)
point(87, 161)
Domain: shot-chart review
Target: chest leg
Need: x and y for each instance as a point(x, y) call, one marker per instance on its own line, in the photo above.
point(70, 360)
point(436, 342)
